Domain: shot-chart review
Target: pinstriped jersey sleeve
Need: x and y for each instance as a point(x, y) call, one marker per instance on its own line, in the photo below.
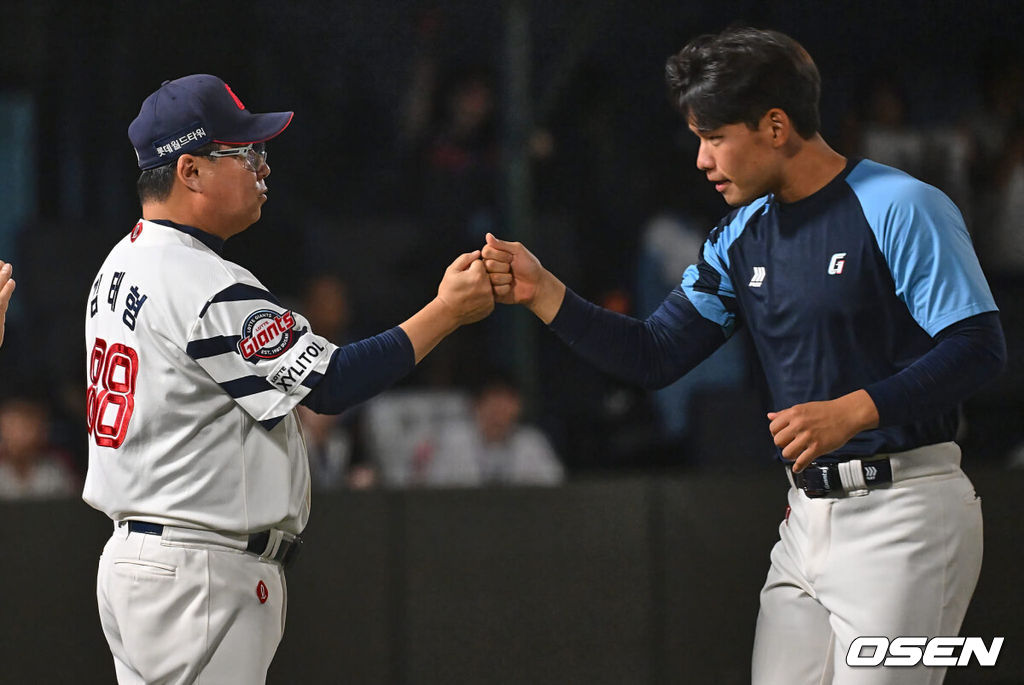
point(261, 353)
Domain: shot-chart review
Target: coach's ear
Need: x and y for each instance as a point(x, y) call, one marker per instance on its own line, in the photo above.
point(188, 172)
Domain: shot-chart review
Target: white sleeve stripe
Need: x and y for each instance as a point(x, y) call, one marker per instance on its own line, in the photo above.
point(271, 404)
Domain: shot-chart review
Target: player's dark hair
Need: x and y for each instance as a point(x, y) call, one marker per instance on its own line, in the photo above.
point(154, 185)
point(739, 74)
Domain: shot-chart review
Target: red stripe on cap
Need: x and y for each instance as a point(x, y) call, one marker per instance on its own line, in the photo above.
point(261, 140)
point(234, 97)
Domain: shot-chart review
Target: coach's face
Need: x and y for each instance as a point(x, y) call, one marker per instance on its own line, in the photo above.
point(743, 163)
point(233, 194)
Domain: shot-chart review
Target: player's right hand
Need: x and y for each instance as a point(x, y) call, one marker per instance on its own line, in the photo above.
point(466, 289)
point(7, 287)
point(517, 277)
point(514, 272)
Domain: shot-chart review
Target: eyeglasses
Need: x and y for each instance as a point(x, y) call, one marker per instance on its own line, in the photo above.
point(254, 155)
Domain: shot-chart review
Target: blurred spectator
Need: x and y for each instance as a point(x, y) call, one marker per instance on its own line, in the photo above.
point(492, 447)
point(671, 242)
point(50, 356)
point(1015, 459)
point(1005, 253)
point(336, 459)
point(326, 305)
point(458, 166)
point(30, 467)
point(881, 131)
point(997, 164)
point(403, 426)
point(451, 147)
point(595, 171)
point(597, 421)
point(418, 105)
point(333, 442)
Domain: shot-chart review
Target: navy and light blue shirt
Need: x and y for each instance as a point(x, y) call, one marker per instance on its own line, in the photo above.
point(842, 290)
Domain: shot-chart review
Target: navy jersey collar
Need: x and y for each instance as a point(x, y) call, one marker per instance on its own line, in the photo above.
point(822, 194)
point(211, 241)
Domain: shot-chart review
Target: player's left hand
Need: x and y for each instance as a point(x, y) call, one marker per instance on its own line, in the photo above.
point(807, 431)
point(6, 288)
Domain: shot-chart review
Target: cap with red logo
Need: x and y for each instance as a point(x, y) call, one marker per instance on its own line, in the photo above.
point(192, 111)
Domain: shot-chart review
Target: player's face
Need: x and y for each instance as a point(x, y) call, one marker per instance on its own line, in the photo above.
point(742, 163)
point(234, 194)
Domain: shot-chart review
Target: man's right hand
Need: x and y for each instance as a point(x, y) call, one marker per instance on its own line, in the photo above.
point(517, 277)
point(464, 296)
point(466, 289)
point(6, 288)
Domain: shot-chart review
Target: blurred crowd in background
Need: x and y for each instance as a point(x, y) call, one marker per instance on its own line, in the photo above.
point(374, 193)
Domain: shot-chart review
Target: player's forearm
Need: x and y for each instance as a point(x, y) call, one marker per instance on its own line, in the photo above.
point(650, 353)
point(549, 297)
point(859, 411)
point(361, 370)
point(429, 326)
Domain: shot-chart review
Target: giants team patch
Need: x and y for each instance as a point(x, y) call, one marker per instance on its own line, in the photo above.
point(266, 334)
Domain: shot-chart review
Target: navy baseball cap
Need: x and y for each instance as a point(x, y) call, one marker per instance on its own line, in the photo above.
point(192, 111)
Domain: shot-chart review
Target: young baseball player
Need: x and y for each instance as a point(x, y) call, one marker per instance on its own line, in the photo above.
point(6, 290)
point(194, 372)
point(873, 321)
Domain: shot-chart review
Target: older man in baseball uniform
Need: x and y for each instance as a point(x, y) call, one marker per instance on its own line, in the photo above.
point(194, 372)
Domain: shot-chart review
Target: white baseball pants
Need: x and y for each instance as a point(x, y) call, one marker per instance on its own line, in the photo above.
point(901, 560)
point(179, 609)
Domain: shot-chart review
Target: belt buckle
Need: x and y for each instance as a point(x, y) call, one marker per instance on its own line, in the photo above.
point(281, 547)
point(291, 551)
point(814, 481)
point(266, 550)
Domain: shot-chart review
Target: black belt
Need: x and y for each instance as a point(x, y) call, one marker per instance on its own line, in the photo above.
point(820, 480)
point(286, 552)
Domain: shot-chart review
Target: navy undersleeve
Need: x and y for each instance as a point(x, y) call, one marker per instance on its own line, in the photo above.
point(966, 355)
point(651, 353)
point(360, 370)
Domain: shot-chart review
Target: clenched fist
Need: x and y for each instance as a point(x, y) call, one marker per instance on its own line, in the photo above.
point(807, 431)
point(517, 277)
point(466, 289)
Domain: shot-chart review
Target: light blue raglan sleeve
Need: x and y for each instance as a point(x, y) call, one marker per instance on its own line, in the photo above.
point(924, 240)
point(708, 284)
point(691, 323)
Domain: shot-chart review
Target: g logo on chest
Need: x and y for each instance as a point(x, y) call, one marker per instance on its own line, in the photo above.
point(836, 264)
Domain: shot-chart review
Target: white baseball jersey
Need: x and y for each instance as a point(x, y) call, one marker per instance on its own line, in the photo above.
point(194, 370)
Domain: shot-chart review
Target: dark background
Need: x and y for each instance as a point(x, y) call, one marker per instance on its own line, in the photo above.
point(632, 581)
point(349, 195)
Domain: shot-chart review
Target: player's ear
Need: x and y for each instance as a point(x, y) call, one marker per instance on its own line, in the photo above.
point(779, 125)
point(188, 172)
